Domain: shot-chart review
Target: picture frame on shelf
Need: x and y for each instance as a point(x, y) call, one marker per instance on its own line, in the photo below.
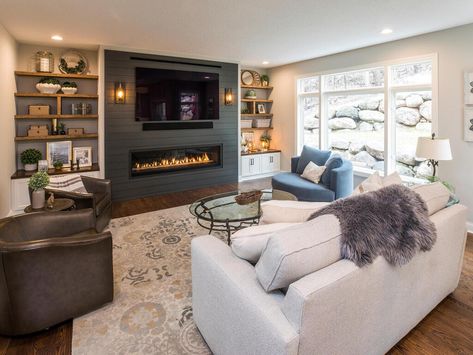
point(261, 109)
point(84, 155)
point(59, 151)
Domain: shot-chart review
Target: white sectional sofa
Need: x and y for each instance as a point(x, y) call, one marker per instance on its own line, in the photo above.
point(339, 309)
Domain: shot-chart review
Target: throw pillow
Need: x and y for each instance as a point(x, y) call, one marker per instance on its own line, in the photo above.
point(70, 183)
point(311, 246)
point(288, 211)
point(334, 162)
point(435, 195)
point(392, 179)
point(375, 182)
point(248, 243)
point(313, 172)
point(315, 155)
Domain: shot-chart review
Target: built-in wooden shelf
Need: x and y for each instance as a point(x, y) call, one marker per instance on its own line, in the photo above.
point(256, 87)
point(260, 115)
point(56, 137)
point(257, 100)
point(21, 174)
point(57, 75)
point(262, 152)
point(72, 96)
point(256, 129)
point(68, 117)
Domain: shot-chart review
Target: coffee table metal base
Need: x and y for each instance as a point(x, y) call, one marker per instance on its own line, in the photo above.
point(227, 226)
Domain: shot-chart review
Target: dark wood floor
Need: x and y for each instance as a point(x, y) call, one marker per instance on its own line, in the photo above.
point(448, 329)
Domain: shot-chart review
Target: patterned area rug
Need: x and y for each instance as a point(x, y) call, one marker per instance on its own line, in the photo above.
point(152, 308)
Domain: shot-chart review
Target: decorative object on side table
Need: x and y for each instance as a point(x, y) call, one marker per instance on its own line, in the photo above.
point(44, 62)
point(73, 62)
point(264, 80)
point(69, 88)
point(50, 201)
point(83, 156)
point(59, 152)
point(48, 86)
point(37, 182)
point(433, 149)
point(265, 140)
point(29, 158)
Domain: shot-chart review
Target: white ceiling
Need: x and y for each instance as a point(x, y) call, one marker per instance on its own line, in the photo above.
point(250, 32)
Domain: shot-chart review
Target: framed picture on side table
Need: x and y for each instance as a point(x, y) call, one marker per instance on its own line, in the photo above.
point(84, 155)
point(59, 151)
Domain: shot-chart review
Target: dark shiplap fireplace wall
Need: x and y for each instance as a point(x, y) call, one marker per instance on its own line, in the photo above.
point(123, 134)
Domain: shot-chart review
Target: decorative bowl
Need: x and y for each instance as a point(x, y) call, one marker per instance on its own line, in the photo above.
point(248, 197)
point(48, 88)
point(69, 90)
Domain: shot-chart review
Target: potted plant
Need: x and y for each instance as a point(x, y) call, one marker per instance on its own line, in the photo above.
point(62, 128)
point(37, 182)
point(265, 140)
point(29, 158)
point(48, 86)
point(69, 88)
point(57, 165)
point(264, 80)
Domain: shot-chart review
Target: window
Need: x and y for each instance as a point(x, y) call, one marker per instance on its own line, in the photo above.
point(371, 116)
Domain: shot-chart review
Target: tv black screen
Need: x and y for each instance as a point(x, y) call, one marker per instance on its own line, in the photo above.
point(175, 95)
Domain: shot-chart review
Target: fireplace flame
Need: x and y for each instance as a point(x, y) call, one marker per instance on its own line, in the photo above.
point(174, 161)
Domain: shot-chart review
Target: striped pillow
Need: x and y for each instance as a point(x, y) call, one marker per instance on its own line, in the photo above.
point(70, 183)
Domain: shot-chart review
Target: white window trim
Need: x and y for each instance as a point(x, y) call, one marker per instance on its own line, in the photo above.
point(387, 89)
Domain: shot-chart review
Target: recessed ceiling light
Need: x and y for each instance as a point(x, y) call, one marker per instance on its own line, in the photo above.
point(386, 31)
point(265, 62)
point(56, 38)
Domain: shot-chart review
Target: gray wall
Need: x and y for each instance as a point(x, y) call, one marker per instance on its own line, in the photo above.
point(123, 133)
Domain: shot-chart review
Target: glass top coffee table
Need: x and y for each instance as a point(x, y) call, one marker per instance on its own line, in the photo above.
point(221, 212)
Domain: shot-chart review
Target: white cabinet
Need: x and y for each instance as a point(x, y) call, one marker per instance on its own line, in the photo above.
point(20, 197)
point(261, 164)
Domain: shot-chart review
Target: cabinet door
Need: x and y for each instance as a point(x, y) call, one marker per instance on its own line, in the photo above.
point(270, 163)
point(20, 197)
point(245, 165)
point(250, 165)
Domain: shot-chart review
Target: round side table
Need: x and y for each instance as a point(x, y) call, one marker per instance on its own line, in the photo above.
point(60, 204)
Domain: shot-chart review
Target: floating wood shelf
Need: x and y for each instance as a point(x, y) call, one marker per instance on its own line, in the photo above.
point(256, 100)
point(21, 174)
point(56, 138)
point(262, 115)
point(57, 75)
point(256, 87)
point(68, 117)
point(74, 96)
point(256, 129)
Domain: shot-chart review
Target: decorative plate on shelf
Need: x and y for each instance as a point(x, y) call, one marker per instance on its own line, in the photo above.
point(73, 62)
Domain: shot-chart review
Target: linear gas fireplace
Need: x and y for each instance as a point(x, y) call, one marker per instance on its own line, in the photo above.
point(164, 160)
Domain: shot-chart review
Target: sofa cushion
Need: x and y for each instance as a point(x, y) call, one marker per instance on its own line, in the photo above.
point(304, 190)
point(288, 211)
point(334, 162)
point(248, 243)
point(435, 195)
point(297, 251)
point(313, 172)
point(315, 155)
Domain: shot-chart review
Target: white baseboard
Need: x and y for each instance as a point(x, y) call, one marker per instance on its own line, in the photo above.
point(259, 176)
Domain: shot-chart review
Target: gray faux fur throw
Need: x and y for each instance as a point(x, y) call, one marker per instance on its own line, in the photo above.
point(392, 222)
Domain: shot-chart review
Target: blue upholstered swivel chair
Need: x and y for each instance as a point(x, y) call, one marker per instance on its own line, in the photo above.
point(336, 182)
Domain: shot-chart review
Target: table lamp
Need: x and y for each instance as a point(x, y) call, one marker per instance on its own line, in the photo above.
point(433, 149)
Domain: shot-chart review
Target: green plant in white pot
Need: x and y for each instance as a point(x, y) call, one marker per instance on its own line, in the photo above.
point(37, 182)
point(29, 158)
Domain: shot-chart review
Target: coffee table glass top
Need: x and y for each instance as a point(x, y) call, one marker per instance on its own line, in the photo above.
point(223, 207)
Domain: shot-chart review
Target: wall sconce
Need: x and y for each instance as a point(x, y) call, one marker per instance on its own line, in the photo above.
point(119, 93)
point(228, 97)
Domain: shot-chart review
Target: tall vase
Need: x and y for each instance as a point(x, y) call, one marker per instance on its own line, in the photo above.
point(38, 199)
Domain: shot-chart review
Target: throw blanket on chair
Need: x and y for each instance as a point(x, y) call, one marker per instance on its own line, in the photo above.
point(392, 222)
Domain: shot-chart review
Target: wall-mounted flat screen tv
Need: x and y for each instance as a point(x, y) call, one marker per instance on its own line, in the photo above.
point(175, 95)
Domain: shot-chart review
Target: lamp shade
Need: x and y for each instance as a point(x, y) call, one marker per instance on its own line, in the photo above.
point(436, 149)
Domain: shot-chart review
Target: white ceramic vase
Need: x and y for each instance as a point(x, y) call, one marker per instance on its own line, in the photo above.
point(38, 199)
point(31, 167)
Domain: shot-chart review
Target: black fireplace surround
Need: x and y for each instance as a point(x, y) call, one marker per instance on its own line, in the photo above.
point(166, 160)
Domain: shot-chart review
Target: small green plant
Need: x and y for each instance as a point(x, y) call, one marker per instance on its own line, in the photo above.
point(57, 165)
point(265, 78)
point(68, 84)
point(265, 137)
point(49, 80)
point(38, 180)
point(30, 156)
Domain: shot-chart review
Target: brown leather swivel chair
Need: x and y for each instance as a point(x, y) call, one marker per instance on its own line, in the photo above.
point(54, 267)
point(98, 197)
